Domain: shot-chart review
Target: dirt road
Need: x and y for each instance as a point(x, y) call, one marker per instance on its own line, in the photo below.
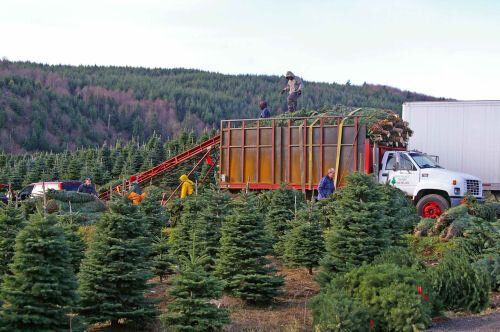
point(482, 323)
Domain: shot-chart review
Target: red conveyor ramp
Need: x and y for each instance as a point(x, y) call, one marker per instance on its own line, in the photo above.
point(172, 162)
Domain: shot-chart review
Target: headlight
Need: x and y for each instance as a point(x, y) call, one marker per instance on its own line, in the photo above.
point(457, 191)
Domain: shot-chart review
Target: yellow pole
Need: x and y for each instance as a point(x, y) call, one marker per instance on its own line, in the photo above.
point(339, 144)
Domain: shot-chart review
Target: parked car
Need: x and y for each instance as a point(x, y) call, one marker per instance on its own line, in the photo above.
point(36, 189)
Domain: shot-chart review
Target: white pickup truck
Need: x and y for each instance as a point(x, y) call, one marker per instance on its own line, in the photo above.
point(432, 188)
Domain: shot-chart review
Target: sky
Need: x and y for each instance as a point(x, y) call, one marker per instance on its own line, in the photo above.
point(437, 47)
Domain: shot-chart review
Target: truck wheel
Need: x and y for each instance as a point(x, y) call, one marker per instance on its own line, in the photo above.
point(432, 206)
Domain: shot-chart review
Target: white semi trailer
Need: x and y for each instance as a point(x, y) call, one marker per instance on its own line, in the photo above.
point(465, 135)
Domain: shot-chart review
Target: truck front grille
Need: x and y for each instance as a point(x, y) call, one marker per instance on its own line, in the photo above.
point(473, 187)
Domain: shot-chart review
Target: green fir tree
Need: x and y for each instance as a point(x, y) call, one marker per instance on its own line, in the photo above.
point(42, 288)
point(113, 275)
point(162, 259)
point(189, 307)
point(210, 219)
point(359, 225)
point(76, 244)
point(154, 214)
point(11, 222)
point(74, 169)
point(282, 205)
point(187, 227)
point(16, 179)
point(241, 262)
point(304, 245)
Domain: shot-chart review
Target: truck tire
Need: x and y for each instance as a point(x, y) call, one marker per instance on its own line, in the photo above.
point(432, 206)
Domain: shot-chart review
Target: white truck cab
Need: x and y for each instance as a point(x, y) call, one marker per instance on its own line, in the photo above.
point(432, 188)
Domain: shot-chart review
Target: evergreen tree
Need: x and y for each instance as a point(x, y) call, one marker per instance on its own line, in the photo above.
point(11, 222)
point(76, 244)
point(400, 209)
point(154, 214)
point(359, 225)
point(189, 308)
point(96, 173)
point(4, 175)
point(55, 172)
point(105, 155)
point(156, 221)
point(241, 261)
point(113, 275)
point(304, 242)
point(118, 165)
point(73, 171)
point(280, 213)
point(42, 287)
point(210, 219)
point(32, 175)
point(187, 226)
point(16, 179)
point(162, 260)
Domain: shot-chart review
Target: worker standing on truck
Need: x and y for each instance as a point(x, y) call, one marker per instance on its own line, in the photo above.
point(326, 185)
point(294, 88)
point(187, 186)
point(87, 187)
point(264, 110)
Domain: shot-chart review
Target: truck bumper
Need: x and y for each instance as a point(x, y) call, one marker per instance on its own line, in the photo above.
point(454, 201)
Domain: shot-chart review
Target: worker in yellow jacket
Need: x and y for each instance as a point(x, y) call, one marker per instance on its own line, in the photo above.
point(187, 186)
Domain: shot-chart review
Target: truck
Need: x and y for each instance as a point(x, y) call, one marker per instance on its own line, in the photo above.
point(34, 190)
point(296, 152)
point(464, 134)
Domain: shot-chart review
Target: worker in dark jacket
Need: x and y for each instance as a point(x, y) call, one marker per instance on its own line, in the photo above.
point(134, 190)
point(134, 186)
point(87, 187)
point(264, 110)
point(294, 88)
point(326, 185)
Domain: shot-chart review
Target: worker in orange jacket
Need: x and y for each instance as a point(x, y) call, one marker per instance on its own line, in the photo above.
point(187, 186)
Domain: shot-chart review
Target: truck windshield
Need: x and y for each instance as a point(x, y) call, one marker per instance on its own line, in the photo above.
point(423, 161)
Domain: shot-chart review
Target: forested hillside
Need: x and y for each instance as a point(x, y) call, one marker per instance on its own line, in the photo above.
point(53, 108)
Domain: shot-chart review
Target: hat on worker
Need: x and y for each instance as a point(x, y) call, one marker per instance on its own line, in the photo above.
point(133, 178)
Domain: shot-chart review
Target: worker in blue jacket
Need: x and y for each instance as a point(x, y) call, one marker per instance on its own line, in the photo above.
point(264, 110)
point(326, 185)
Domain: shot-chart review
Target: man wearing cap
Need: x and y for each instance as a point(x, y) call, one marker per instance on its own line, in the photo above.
point(326, 185)
point(134, 190)
point(294, 88)
point(87, 187)
point(134, 186)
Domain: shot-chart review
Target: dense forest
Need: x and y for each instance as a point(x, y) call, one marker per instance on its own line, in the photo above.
point(53, 108)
